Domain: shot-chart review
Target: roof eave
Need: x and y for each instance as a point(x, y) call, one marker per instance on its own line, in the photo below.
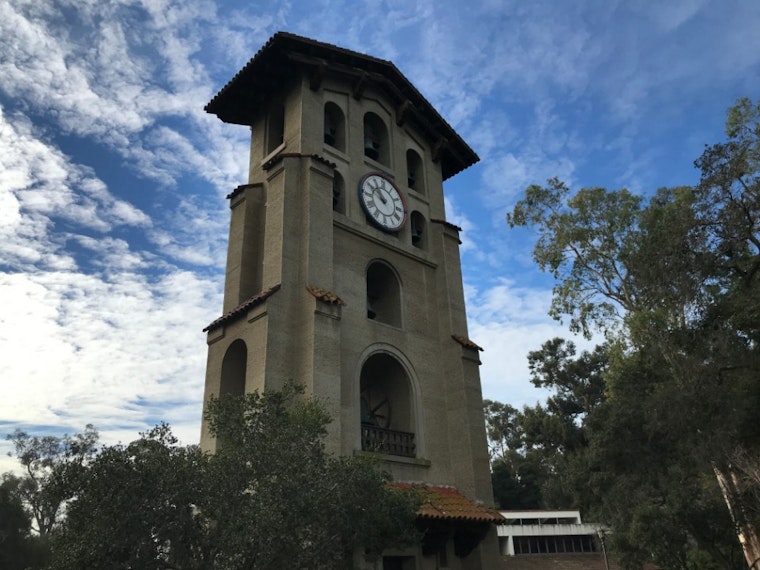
point(240, 100)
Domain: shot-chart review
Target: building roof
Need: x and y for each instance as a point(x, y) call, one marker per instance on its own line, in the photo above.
point(244, 99)
point(448, 503)
point(466, 342)
point(325, 296)
point(242, 308)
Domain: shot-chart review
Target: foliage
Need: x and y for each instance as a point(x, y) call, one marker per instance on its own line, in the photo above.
point(269, 498)
point(15, 538)
point(529, 447)
point(51, 464)
point(673, 283)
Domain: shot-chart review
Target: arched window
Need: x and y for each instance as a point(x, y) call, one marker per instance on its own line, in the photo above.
point(335, 126)
point(417, 223)
point(233, 369)
point(376, 144)
point(383, 294)
point(386, 410)
point(415, 178)
point(339, 193)
point(275, 128)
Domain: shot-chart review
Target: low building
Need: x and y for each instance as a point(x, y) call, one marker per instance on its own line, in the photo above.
point(551, 539)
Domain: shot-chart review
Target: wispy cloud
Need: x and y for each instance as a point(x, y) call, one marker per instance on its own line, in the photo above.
point(112, 217)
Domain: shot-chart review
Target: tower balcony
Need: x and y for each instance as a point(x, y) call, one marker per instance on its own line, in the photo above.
point(389, 441)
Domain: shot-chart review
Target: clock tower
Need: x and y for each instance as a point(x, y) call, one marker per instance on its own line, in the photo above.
point(344, 275)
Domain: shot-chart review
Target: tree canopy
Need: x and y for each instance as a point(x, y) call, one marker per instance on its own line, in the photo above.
point(661, 426)
point(270, 497)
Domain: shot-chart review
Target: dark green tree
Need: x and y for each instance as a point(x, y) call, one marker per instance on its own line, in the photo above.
point(673, 284)
point(529, 447)
point(271, 497)
point(15, 526)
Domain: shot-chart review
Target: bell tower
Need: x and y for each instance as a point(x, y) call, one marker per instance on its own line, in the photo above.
point(343, 275)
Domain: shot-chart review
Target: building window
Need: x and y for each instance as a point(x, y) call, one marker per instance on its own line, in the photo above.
point(417, 223)
point(233, 369)
point(415, 178)
point(334, 127)
point(386, 414)
point(275, 128)
point(398, 563)
point(338, 193)
point(376, 144)
point(561, 544)
point(383, 294)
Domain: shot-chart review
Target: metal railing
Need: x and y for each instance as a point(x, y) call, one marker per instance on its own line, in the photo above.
point(392, 442)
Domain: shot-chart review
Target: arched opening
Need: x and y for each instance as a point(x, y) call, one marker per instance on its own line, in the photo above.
point(386, 410)
point(376, 144)
point(233, 369)
point(335, 126)
point(339, 193)
point(275, 128)
point(383, 294)
point(415, 178)
point(417, 224)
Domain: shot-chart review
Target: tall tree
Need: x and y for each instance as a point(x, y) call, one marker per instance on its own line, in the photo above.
point(529, 447)
point(269, 498)
point(673, 284)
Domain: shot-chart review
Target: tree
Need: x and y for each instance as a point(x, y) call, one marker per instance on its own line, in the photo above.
point(14, 528)
point(529, 448)
point(673, 284)
point(269, 498)
point(51, 466)
point(515, 475)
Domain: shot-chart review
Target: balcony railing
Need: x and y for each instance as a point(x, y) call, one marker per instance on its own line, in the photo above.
point(392, 442)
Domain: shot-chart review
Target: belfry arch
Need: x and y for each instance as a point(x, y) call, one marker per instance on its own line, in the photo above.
point(234, 367)
point(388, 395)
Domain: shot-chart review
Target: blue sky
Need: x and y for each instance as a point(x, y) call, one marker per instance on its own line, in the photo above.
point(113, 222)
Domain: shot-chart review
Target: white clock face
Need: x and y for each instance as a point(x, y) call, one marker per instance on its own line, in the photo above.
point(383, 202)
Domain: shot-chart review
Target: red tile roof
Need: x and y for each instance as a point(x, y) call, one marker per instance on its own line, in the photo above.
point(325, 296)
point(278, 158)
point(447, 503)
point(447, 224)
point(243, 307)
point(239, 189)
point(466, 342)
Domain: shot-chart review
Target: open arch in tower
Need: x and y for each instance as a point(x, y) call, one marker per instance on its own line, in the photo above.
point(233, 369)
point(388, 412)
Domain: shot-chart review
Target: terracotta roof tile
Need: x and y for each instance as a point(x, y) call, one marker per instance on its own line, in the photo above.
point(325, 296)
point(444, 502)
point(239, 189)
point(447, 224)
point(466, 342)
point(242, 308)
point(277, 158)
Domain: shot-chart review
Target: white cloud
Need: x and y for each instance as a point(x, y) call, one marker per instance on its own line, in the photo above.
point(89, 348)
point(105, 319)
point(508, 321)
point(40, 184)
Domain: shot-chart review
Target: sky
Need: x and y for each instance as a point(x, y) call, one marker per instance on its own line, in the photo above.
point(113, 218)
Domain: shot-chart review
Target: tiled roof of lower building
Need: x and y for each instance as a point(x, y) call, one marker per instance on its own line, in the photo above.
point(448, 503)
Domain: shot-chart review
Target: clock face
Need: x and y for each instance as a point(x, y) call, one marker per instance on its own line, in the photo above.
point(382, 202)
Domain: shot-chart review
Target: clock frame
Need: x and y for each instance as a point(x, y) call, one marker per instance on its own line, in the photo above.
point(383, 202)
